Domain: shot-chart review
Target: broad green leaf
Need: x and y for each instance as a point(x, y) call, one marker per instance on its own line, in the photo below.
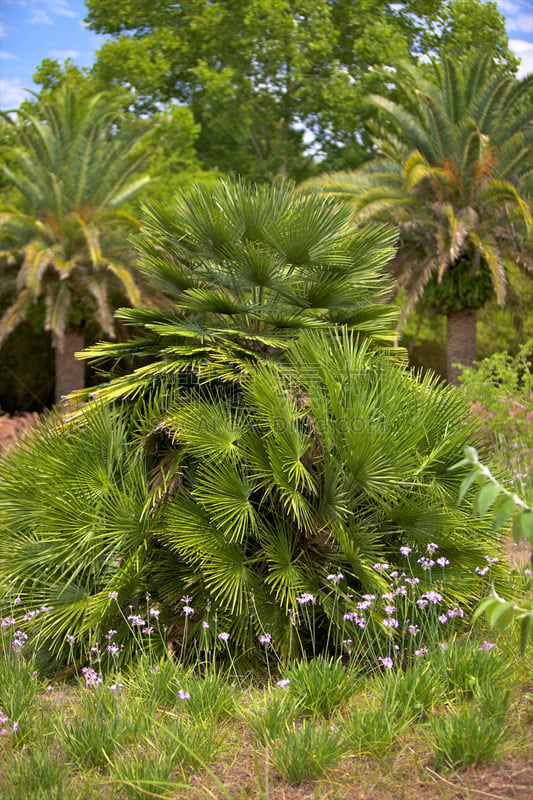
point(526, 523)
point(487, 495)
point(505, 511)
point(466, 483)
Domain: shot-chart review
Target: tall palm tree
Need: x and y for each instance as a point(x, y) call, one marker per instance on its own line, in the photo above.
point(455, 174)
point(242, 270)
point(73, 174)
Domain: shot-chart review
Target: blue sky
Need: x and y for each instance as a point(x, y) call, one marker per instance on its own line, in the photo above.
point(31, 30)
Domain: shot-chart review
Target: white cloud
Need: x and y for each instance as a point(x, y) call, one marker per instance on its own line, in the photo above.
point(59, 7)
point(39, 17)
point(12, 93)
point(7, 56)
point(61, 55)
point(523, 50)
point(508, 7)
point(2, 30)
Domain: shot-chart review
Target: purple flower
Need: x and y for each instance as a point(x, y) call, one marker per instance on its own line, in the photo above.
point(148, 631)
point(426, 563)
point(205, 625)
point(17, 601)
point(306, 597)
point(490, 560)
point(186, 599)
point(401, 590)
point(369, 596)
point(432, 548)
point(443, 562)
point(390, 623)
point(266, 638)
point(347, 642)
point(388, 596)
point(183, 695)
point(421, 652)
point(113, 595)
point(335, 578)
point(455, 612)
point(113, 649)
point(486, 645)
point(154, 612)
point(283, 683)
point(422, 603)
point(412, 581)
point(390, 609)
point(381, 566)
point(482, 570)
point(8, 621)
point(364, 604)
point(91, 677)
point(413, 630)
point(137, 621)
point(223, 636)
point(394, 574)
point(112, 632)
point(405, 550)
point(115, 687)
point(70, 639)
point(442, 618)
point(433, 597)
point(187, 610)
point(388, 663)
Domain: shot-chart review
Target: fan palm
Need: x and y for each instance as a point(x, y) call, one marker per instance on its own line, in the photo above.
point(325, 464)
point(454, 174)
point(243, 270)
point(74, 173)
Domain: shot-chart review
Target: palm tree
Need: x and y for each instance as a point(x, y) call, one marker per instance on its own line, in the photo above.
point(243, 270)
point(454, 174)
point(73, 174)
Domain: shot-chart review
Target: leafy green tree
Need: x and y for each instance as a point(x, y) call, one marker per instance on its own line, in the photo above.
point(454, 174)
point(239, 271)
point(73, 176)
point(277, 85)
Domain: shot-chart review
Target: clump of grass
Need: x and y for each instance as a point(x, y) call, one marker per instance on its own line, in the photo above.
point(38, 775)
point(157, 683)
point(306, 752)
point(470, 669)
point(270, 716)
point(105, 722)
point(207, 697)
point(320, 686)
point(417, 691)
point(374, 726)
point(471, 736)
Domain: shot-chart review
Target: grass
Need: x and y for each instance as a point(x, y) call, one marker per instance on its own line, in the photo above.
point(457, 709)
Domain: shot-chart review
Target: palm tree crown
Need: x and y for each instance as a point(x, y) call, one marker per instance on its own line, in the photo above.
point(74, 174)
point(242, 270)
point(455, 176)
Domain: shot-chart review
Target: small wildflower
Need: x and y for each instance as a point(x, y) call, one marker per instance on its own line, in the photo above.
point(433, 597)
point(183, 695)
point(490, 560)
point(413, 629)
point(405, 550)
point(394, 574)
point(422, 602)
point(70, 639)
point(426, 563)
point(187, 610)
point(388, 663)
point(223, 636)
point(455, 612)
point(113, 649)
point(306, 597)
point(390, 622)
point(137, 621)
point(113, 595)
point(442, 618)
point(421, 652)
point(116, 687)
point(154, 612)
point(390, 609)
point(369, 597)
point(412, 581)
point(91, 677)
point(364, 604)
point(388, 596)
point(283, 683)
point(17, 601)
point(186, 599)
point(482, 570)
point(401, 590)
point(148, 631)
point(335, 578)
point(432, 548)
point(381, 566)
point(443, 562)
point(110, 633)
point(205, 625)
point(347, 642)
point(486, 645)
point(266, 638)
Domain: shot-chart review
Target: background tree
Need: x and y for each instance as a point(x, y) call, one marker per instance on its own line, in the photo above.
point(455, 176)
point(274, 86)
point(72, 175)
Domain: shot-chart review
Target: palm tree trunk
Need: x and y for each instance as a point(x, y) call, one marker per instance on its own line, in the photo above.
point(460, 342)
point(70, 373)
